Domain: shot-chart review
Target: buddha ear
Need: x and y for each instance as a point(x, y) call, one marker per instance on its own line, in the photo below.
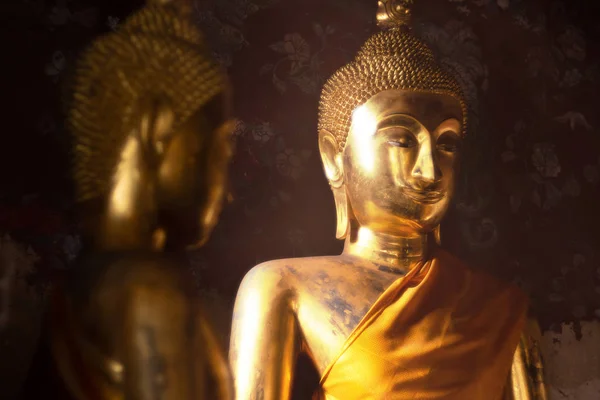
point(334, 170)
point(332, 159)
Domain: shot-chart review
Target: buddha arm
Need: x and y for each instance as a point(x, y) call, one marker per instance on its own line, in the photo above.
point(264, 337)
point(527, 375)
point(219, 372)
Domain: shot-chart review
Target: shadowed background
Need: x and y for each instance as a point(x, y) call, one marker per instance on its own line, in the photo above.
point(530, 182)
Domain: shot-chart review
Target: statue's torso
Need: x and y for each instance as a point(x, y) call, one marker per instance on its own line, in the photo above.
point(332, 294)
point(130, 325)
point(442, 327)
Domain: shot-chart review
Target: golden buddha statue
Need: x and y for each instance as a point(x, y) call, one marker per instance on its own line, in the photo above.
point(394, 316)
point(150, 123)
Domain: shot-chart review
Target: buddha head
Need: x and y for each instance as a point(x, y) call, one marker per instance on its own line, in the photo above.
point(150, 124)
point(391, 124)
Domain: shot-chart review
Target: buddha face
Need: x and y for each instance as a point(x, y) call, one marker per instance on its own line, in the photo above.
point(400, 161)
point(193, 176)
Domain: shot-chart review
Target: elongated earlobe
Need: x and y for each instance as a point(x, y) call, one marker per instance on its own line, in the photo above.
point(334, 171)
point(341, 208)
point(437, 234)
point(332, 160)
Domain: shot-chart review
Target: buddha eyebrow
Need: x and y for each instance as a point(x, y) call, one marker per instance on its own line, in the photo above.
point(396, 120)
point(450, 128)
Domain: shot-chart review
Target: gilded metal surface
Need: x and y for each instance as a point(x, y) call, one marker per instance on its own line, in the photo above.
point(155, 53)
point(391, 59)
point(149, 117)
point(391, 125)
point(393, 182)
point(527, 375)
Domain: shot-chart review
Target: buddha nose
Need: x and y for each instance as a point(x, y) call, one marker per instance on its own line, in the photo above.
point(426, 172)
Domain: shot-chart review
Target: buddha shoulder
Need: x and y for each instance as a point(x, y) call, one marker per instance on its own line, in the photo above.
point(290, 273)
point(292, 281)
point(269, 278)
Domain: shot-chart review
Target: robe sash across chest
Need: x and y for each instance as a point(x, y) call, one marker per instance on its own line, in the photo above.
point(442, 331)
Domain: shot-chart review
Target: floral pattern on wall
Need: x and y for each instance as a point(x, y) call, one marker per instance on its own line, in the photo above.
point(527, 209)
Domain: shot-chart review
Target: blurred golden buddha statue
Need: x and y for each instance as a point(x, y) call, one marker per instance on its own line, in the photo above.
point(150, 123)
point(394, 316)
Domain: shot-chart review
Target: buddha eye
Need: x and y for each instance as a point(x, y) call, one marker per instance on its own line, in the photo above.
point(404, 139)
point(448, 142)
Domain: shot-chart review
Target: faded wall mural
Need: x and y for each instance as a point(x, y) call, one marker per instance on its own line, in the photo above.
point(528, 206)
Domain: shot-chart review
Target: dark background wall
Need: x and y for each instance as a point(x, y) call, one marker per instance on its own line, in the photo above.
point(527, 210)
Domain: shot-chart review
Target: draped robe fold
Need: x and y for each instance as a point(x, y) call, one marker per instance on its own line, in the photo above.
point(443, 331)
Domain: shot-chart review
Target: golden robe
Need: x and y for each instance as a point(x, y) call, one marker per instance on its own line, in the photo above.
point(443, 331)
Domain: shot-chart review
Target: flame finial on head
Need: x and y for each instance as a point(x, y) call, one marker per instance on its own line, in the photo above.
point(394, 13)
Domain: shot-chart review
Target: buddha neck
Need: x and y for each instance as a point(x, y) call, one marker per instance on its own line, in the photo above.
point(124, 236)
point(109, 231)
point(396, 254)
